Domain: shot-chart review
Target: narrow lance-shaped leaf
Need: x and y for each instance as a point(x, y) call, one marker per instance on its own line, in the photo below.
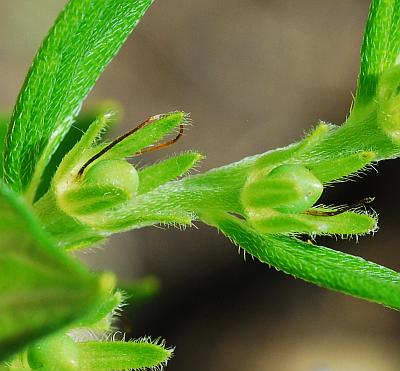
point(84, 39)
point(322, 266)
point(42, 288)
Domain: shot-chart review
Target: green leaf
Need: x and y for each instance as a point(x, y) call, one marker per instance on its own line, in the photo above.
point(381, 46)
point(117, 355)
point(42, 288)
point(322, 266)
point(85, 37)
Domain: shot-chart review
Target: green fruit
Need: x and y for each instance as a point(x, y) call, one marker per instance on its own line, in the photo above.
point(287, 188)
point(105, 185)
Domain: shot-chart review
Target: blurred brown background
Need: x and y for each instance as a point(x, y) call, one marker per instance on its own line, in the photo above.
point(255, 74)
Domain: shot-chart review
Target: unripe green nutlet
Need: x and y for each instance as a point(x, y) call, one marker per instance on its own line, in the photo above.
point(56, 353)
point(286, 188)
point(104, 185)
point(118, 173)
